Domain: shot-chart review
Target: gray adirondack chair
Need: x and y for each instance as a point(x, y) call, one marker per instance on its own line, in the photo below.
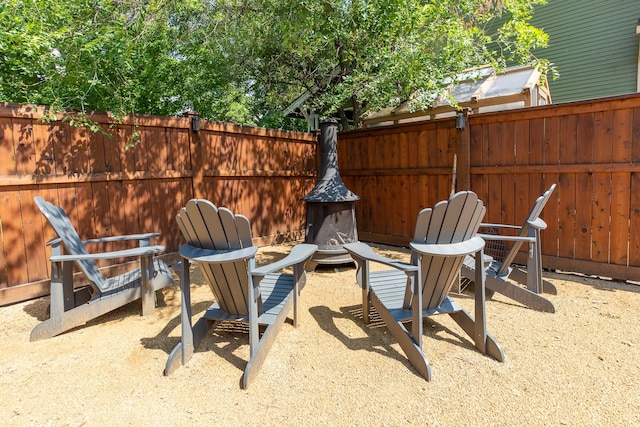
point(501, 268)
point(220, 243)
point(71, 307)
point(443, 237)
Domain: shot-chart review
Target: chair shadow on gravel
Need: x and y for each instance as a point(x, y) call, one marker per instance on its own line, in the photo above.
point(224, 339)
point(377, 339)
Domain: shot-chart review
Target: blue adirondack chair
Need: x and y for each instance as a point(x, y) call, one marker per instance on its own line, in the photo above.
point(74, 306)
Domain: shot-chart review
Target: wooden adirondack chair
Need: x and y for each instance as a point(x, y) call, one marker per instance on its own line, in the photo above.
point(443, 237)
point(71, 307)
point(220, 243)
point(501, 268)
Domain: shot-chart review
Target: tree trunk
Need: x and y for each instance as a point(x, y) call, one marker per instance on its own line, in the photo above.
point(357, 112)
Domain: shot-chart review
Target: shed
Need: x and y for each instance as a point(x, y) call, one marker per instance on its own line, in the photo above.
point(479, 90)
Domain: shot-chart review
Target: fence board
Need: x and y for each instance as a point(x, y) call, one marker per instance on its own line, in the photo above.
point(23, 146)
point(13, 236)
point(37, 263)
point(4, 280)
point(79, 150)
point(521, 181)
point(600, 217)
point(7, 158)
point(551, 155)
point(97, 160)
point(634, 222)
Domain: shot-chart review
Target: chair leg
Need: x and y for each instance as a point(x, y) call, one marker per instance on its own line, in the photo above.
point(80, 315)
point(490, 346)
point(260, 350)
point(408, 344)
point(148, 294)
point(362, 277)
point(520, 276)
point(517, 293)
point(191, 336)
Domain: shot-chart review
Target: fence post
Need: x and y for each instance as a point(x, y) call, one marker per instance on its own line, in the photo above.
point(195, 146)
point(463, 151)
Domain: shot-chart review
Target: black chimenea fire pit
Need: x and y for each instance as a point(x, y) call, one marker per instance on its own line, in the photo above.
point(331, 216)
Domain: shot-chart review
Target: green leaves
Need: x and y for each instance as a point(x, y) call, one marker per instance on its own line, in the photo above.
point(244, 60)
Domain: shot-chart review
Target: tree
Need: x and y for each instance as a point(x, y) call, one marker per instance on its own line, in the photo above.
point(375, 54)
point(245, 60)
point(125, 57)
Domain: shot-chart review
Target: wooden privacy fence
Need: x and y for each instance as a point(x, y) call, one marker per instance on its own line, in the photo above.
point(108, 190)
point(590, 149)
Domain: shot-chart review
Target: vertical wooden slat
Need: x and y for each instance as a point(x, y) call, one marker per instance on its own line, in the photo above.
point(634, 222)
point(621, 187)
point(13, 236)
point(536, 157)
point(161, 205)
point(143, 150)
point(476, 146)
point(100, 203)
point(131, 209)
point(60, 138)
point(112, 147)
point(404, 213)
point(43, 150)
point(567, 189)
point(7, 152)
point(128, 154)
point(601, 207)
point(78, 150)
point(37, 264)
point(117, 205)
point(445, 159)
point(551, 155)
point(44, 230)
point(584, 185)
point(178, 149)
point(634, 203)
point(4, 280)
point(145, 206)
point(23, 146)
point(96, 155)
point(524, 155)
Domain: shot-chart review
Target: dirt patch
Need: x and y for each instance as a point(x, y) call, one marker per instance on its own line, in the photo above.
point(579, 366)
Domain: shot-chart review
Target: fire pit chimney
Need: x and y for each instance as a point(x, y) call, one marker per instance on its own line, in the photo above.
point(330, 206)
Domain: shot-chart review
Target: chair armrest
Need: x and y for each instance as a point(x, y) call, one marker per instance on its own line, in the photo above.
point(467, 247)
point(216, 255)
point(364, 252)
point(140, 251)
point(53, 242)
point(508, 238)
point(538, 223)
point(145, 236)
point(299, 253)
point(509, 226)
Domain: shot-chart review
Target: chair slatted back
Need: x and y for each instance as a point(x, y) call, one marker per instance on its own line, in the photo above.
point(206, 226)
point(62, 225)
point(525, 231)
point(451, 221)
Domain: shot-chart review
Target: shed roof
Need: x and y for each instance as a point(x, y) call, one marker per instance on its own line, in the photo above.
point(480, 90)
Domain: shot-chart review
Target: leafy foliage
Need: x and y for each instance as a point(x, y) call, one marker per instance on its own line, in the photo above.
point(244, 61)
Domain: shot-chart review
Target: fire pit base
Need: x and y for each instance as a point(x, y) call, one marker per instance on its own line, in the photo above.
point(329, 257)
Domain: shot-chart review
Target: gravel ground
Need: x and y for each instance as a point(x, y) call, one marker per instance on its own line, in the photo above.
point(578, 367)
